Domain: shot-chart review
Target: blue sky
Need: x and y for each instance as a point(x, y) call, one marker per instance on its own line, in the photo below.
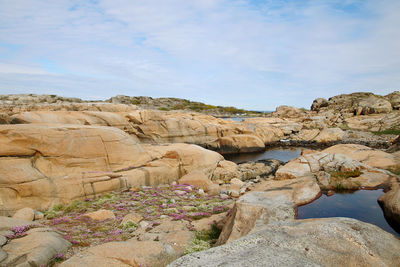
point(251, 54)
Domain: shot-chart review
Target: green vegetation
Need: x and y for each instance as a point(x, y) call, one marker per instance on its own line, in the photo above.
point(395, 169)
point(345, 174)
point(164, 109)
point(204, 240)
point(173, 202)
point(339, 187)
point(340, 182)
point(388, 131)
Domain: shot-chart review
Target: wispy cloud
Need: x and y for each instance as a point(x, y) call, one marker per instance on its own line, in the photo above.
point(253, 54)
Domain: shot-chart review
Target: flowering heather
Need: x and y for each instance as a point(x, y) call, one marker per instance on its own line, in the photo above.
point(152, 203)
point(19, 231)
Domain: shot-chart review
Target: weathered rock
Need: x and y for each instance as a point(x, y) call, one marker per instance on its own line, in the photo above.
point(124, 254)
point(374, 122)
point(226, 170)
point(358, 174)
point(300, 191)
point(390, 203)
point(206, 223)
point(240, 144)
point(254, 210)
point(395, 145)
point(329, 135)
point(394, 99)
point(36, 248)
point(315, 242)
point(373, 104)
point(174, 233)
point(38, 215)
point(198, 179)
point(100, 215)
point(43, 165)
point(132, 217)
point(25, 214)
point(6, 223)
point(262, 168)
point(236, 184)
point(372, 157)
point(319, 103)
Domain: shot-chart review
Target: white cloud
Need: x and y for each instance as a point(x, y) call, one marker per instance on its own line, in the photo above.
point(255, 54)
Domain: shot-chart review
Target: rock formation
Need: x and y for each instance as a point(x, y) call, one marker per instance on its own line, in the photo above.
point(314, 242)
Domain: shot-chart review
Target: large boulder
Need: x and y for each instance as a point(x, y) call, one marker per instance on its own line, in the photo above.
point(394, 99)
point(254, 210)
point(373, 104)
point(314, 242)
point(319, 103)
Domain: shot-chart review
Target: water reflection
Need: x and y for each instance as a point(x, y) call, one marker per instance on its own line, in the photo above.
point(282, 154)
point(361, 205)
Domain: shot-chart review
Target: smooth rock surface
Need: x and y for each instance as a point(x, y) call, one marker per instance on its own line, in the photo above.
point(36, 248)
point(123, 254)
point(314, 242)
point(372, 157)
point(25, 214)
point(44, 165)
point(254, 210)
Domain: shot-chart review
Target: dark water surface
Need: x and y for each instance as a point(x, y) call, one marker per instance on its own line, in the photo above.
point(361, 205)
point(282, 154)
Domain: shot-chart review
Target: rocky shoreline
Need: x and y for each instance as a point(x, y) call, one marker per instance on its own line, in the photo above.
point(65, 164)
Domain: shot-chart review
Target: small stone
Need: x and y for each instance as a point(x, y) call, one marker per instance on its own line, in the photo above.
point(173, 183)
point(223, 196)
point(173, 200)
point(189, 188)
point(144, 224)
point(236, 181)
point(100, 215)
point(25, 214)
point(330, 193)
point(38, 215)
point(234, 193)
point(188, 208)
point(242, 190)
point(214, 190)
point(164, 216)
point(132, 217)
point(201, 191)
point(171, 210)
point(180, 192)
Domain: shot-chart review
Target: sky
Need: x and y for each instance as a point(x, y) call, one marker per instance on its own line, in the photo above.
point(250, 54)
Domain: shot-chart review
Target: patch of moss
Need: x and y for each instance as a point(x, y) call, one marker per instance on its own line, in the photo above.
point(345, 174)
point(395, 169)
point(392, 131)
point(203, 240)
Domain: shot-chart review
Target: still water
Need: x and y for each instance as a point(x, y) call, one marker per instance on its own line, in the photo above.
point(282, 154)
point(361, 205)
